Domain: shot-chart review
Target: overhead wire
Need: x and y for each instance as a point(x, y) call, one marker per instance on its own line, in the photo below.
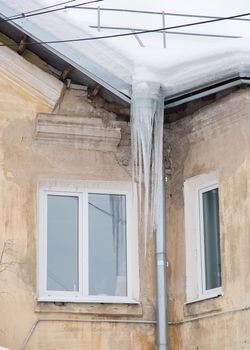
point(130, 33)
point(46, 10)
point(23, 14)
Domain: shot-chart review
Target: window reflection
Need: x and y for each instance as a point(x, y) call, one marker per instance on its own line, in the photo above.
point(62, 243)
point(211, 238)
point(107, 244)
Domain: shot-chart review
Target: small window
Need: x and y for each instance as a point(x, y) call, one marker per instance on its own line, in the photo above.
point(203, 262)
point(88, 243)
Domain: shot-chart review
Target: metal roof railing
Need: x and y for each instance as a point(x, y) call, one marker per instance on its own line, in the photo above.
point(164, 16)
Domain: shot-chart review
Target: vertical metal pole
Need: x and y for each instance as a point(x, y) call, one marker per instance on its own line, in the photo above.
point(163, 32)
point(161, 270)
point(98, 18)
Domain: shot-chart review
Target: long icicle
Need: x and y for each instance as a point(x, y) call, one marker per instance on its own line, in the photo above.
point(147, 140)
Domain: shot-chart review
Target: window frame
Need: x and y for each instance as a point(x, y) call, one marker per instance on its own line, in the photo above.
point(81, 190)
point(194, 234)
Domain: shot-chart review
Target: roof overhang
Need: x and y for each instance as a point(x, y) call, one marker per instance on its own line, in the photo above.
point(183, 80)
point(85, 71)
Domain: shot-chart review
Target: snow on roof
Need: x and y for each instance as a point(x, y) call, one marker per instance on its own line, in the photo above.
point(179, 68)
point(108, 67)
point(183, 69)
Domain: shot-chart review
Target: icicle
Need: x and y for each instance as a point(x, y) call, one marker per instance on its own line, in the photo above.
point(147, 144)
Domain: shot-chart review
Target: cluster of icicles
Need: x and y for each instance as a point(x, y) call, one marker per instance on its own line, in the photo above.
point(147, 150)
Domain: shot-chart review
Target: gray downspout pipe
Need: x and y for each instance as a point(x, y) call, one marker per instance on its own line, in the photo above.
point(147, 144)
point(161, 271)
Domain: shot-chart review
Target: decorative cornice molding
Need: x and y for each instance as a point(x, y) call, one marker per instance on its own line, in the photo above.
point(87, 133)
point(26, 76)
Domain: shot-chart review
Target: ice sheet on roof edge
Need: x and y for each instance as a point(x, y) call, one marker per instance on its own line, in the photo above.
point(175, 69)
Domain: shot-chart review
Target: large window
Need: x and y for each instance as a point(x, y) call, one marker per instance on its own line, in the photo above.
point(203, 262)
point(88, 243)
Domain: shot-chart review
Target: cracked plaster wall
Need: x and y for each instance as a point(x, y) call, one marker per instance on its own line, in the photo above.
point(215, 138)
point(23, 161)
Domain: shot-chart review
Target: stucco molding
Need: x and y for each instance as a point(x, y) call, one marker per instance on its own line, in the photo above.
point(29, 78)
point(87, 133)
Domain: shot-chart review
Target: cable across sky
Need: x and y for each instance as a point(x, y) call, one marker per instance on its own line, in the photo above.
point(130, 33)
point(46, 10)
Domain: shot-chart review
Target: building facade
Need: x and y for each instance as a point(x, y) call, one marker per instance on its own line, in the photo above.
point(65, 168)
point(209, 149)
point(74, 271)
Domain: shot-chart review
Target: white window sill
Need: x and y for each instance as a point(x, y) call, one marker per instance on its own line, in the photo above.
point(90, 300)
point(216, 294)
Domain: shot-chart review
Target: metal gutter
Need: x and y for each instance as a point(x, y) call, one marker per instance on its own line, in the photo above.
point(70, 55)
point(206, 92)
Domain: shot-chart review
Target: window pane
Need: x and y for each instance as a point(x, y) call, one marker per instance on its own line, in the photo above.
point(107, 244)
point(62, 243)
point(211, 239)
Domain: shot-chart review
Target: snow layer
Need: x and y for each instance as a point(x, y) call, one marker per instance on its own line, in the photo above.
point(184, 65)
point(183, 69)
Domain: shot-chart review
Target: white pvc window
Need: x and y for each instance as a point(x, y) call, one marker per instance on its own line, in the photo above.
point(107, 244)
point(87, 243)
point(203, 261)
point(62, 242)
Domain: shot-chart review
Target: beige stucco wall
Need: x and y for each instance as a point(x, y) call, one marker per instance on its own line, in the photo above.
point(216, 138)
point(24, 160)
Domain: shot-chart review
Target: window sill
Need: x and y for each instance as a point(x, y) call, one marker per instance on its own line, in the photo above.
point(203, 305)
point(217, 294)
point(128, 308)
point(108, 300)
